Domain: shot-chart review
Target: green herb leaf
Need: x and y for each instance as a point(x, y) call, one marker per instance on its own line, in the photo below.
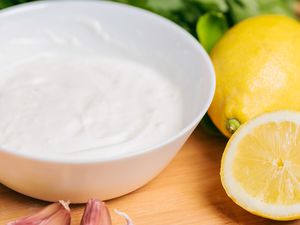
point(210, 27)
point(242, 9)
point(161, 5)
point(211, 5)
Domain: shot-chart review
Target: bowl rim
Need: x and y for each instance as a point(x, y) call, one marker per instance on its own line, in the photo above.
point(185, 129)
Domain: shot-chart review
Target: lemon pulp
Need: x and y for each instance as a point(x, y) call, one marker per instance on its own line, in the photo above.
point(260, 167)
point(270, 154)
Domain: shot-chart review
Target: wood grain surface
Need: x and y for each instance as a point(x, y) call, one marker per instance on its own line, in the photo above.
point(187, 192)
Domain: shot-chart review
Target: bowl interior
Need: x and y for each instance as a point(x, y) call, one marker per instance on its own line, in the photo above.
point(122, 31)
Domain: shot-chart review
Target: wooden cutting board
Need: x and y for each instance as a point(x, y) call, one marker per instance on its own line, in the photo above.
point(187, 192)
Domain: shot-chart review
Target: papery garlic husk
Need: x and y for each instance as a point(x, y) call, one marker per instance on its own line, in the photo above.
point(125, 216)
point(95, 213)
point(55, 214)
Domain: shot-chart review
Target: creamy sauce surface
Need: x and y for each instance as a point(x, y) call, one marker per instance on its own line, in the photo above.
point(59, 103)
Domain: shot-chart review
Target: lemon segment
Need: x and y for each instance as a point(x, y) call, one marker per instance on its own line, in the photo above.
point(260, 167)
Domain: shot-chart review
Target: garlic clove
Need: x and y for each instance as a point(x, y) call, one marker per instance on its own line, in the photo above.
point(55, 214)
point(61, 217)
point(95, 213)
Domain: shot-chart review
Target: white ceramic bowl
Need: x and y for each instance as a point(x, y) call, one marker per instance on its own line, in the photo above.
point(140, 35)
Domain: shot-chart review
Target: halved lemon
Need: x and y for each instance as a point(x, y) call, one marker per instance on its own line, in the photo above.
point(260, 167)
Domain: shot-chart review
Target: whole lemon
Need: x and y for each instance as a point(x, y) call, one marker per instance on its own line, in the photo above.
point(257, 65)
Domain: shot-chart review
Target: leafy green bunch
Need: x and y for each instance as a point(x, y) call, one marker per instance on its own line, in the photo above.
point(209, 19)
point(7, 3)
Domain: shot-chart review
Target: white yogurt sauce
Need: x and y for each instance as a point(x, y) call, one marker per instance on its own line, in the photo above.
point(74, 105)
